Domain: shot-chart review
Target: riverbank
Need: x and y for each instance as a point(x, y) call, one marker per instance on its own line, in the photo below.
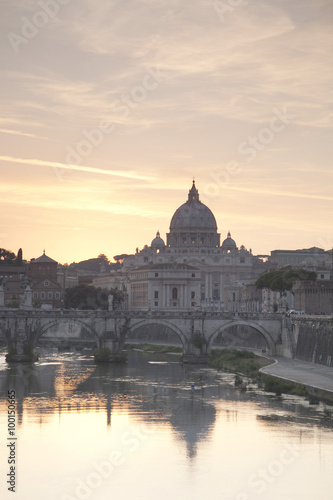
point(275, 375)
point(246, 366)
point(317, 379)
point(249, 365)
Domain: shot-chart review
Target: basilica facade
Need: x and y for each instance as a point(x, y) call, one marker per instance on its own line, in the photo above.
point(192, 251)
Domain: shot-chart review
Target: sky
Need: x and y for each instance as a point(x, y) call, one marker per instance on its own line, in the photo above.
point(109, 109)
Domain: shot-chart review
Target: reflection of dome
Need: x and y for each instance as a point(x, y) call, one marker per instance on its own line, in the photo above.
point(157, 242)
point(229, 244)
point(193, 223)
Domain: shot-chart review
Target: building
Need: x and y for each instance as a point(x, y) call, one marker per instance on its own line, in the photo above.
point(113, 279)
point(308, 258)
point(164, 286)
point(66, 277)
point(46, 291)
point(14, 280)
point(193, 240)
point(314, 297)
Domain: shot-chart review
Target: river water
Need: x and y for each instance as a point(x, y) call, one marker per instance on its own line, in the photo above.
point(139, 431)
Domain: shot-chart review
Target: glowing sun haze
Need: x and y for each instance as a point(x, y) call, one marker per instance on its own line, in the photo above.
point(110, 108)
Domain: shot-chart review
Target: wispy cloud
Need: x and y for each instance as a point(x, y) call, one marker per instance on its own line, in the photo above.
point(280, 194)
point(23, 134)
point(77, 168)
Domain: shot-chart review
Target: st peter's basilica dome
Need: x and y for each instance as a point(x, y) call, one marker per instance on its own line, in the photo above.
point(193, 224)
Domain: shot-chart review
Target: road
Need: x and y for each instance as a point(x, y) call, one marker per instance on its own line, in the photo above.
point(314, 375)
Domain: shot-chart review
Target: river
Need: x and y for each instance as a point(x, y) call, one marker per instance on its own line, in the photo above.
point(140, 431)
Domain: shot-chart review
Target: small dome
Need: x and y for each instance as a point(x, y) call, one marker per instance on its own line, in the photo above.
point(229, 243)
point(157, 241)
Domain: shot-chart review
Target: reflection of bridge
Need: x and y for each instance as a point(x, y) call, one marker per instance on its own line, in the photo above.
point(196, 330)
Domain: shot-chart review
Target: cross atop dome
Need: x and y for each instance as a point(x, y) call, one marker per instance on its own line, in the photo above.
point(193, 194)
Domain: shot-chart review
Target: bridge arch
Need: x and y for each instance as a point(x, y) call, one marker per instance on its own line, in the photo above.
point(269, 340)
point(159, 322)
point(45, 327)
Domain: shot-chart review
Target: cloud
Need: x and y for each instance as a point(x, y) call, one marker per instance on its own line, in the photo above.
point(23, 134)
point(80, 205)
point(281, 194)
point(77, 168)
point(225, 77)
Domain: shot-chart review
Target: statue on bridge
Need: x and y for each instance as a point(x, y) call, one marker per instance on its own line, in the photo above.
point(110, 302)
point(26, 299)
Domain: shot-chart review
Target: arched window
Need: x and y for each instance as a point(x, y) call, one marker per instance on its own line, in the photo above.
point(175, 293)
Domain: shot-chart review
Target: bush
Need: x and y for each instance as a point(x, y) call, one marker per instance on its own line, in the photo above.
point(102, 355)
point(279, 386)
point(245, 362)
point(14, 304)
point(198, 341)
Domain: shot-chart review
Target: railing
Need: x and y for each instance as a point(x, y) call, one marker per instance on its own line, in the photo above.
point(145, 314)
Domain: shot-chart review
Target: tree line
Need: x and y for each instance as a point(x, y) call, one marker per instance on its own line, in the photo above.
point(90, 297)
point(282, 280)
point(8, 258)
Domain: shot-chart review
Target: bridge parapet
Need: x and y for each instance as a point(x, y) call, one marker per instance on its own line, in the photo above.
point(202, 315)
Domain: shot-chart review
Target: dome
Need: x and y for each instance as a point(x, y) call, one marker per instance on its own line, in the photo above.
point(229, 243)
point(193, 215)
point(193, 225)
point(158, 242)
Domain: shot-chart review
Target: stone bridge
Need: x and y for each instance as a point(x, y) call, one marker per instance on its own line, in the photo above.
point(24, 329)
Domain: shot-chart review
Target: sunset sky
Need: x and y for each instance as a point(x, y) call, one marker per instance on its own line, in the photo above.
point(111, 107)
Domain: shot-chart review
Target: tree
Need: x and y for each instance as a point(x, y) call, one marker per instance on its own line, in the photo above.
point(102, 256)
point(6, 257)
point(120, 258)
point(86, 297)
point(282, 280)
point(89, 297)
point(19, 257)
point(118, 297)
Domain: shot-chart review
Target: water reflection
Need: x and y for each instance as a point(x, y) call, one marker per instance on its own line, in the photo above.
point(216, 429)
point(153, 389)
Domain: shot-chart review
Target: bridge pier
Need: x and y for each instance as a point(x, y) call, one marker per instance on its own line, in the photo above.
point(196, 349)
point(111, 352)
point(23, 354)
point(20, 337)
